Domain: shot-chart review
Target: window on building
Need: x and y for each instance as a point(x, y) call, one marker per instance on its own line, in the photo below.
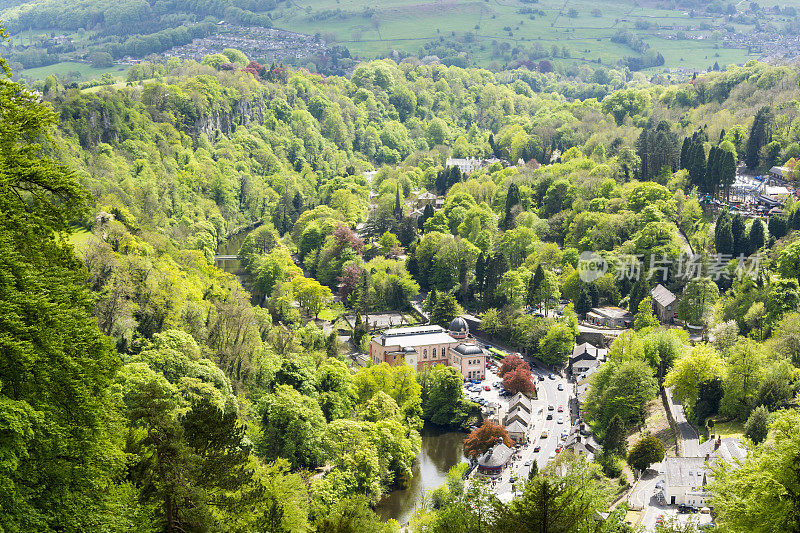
point(425, 353)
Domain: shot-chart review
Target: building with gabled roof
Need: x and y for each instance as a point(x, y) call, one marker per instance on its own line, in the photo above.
point(665, 303)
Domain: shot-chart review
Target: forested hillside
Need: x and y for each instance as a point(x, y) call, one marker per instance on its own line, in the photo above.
point(143, 389)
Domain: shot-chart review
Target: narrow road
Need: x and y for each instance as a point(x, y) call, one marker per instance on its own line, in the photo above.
point(688, 439)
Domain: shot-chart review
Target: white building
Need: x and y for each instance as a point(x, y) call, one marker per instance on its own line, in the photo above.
point(685, 478)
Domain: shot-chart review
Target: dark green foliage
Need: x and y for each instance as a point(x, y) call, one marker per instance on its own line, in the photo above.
point(584, 302)
point(639, 292)
point(756, 236)
point(55, 365)
point(757, 425)
point(723, 233)
point(647, 451)
point(778, 226)
point(760, 136)
point(740, 243)
point(709, 395)
point(615, 439)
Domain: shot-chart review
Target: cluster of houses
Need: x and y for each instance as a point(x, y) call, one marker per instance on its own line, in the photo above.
point(255, 41)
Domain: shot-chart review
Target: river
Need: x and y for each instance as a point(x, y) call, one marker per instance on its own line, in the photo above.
point(229, 247)
point(441, 450)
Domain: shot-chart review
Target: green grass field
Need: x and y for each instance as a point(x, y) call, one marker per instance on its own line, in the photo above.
point(372, 30)
point(79, 71)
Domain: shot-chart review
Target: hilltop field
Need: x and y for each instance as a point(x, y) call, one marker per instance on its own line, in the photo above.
point(654, 37)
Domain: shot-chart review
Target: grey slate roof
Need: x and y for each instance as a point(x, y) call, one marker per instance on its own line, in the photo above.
point(496, 457)
point(468, 349)
point(662, 295)
point(684, 471)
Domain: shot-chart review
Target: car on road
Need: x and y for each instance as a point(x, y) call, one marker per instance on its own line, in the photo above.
point(550, 407)
point(552, 376)
point(560, 386)
point(528, 462)
point(541, 378)
point(487, 387)
point(560, 408)
point(560, 420)
point(537, 448)
point(544, 434)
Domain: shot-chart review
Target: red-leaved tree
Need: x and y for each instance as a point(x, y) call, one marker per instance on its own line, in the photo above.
point(485, 437)
point(511, 362)
point(519, 380)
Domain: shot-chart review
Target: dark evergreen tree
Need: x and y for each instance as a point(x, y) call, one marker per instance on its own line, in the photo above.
point(512, 199)
point(584, 302)
point(723, 233)
point(533, 286)
point(686, 152)
point(615, 439)
point(727, 171)
point(427, 213)
point(778, 226)
point(756, 237)
point(398, 206)
point(639, 292)
point(480, 272)
point(760, 136)
point(738, 230)
point(594, 294)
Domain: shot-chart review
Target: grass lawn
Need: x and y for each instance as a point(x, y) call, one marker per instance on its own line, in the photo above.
point(731, 428)
point(78, 236)
point(329, 314)
point(80, 71)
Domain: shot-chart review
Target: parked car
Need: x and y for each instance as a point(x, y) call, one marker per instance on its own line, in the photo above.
point(560, 420)
point(560, 408)
point(537, 448)
point(560, 386)
point(487, 387)
point(552, 376)
point(549, 416)
point(550, 407)
point(541, 378)
point(528, 462)
point(558, 448)
point(544, 434)
point(476, 381)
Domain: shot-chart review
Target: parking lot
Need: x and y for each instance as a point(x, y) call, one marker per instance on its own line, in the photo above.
point(551, 422)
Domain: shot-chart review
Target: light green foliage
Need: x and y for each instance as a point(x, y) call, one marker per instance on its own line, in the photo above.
point(556, 346)
point(697, 366)
point(620, 388)
point(751, 496)
point(443, 401)
point(699, 297)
